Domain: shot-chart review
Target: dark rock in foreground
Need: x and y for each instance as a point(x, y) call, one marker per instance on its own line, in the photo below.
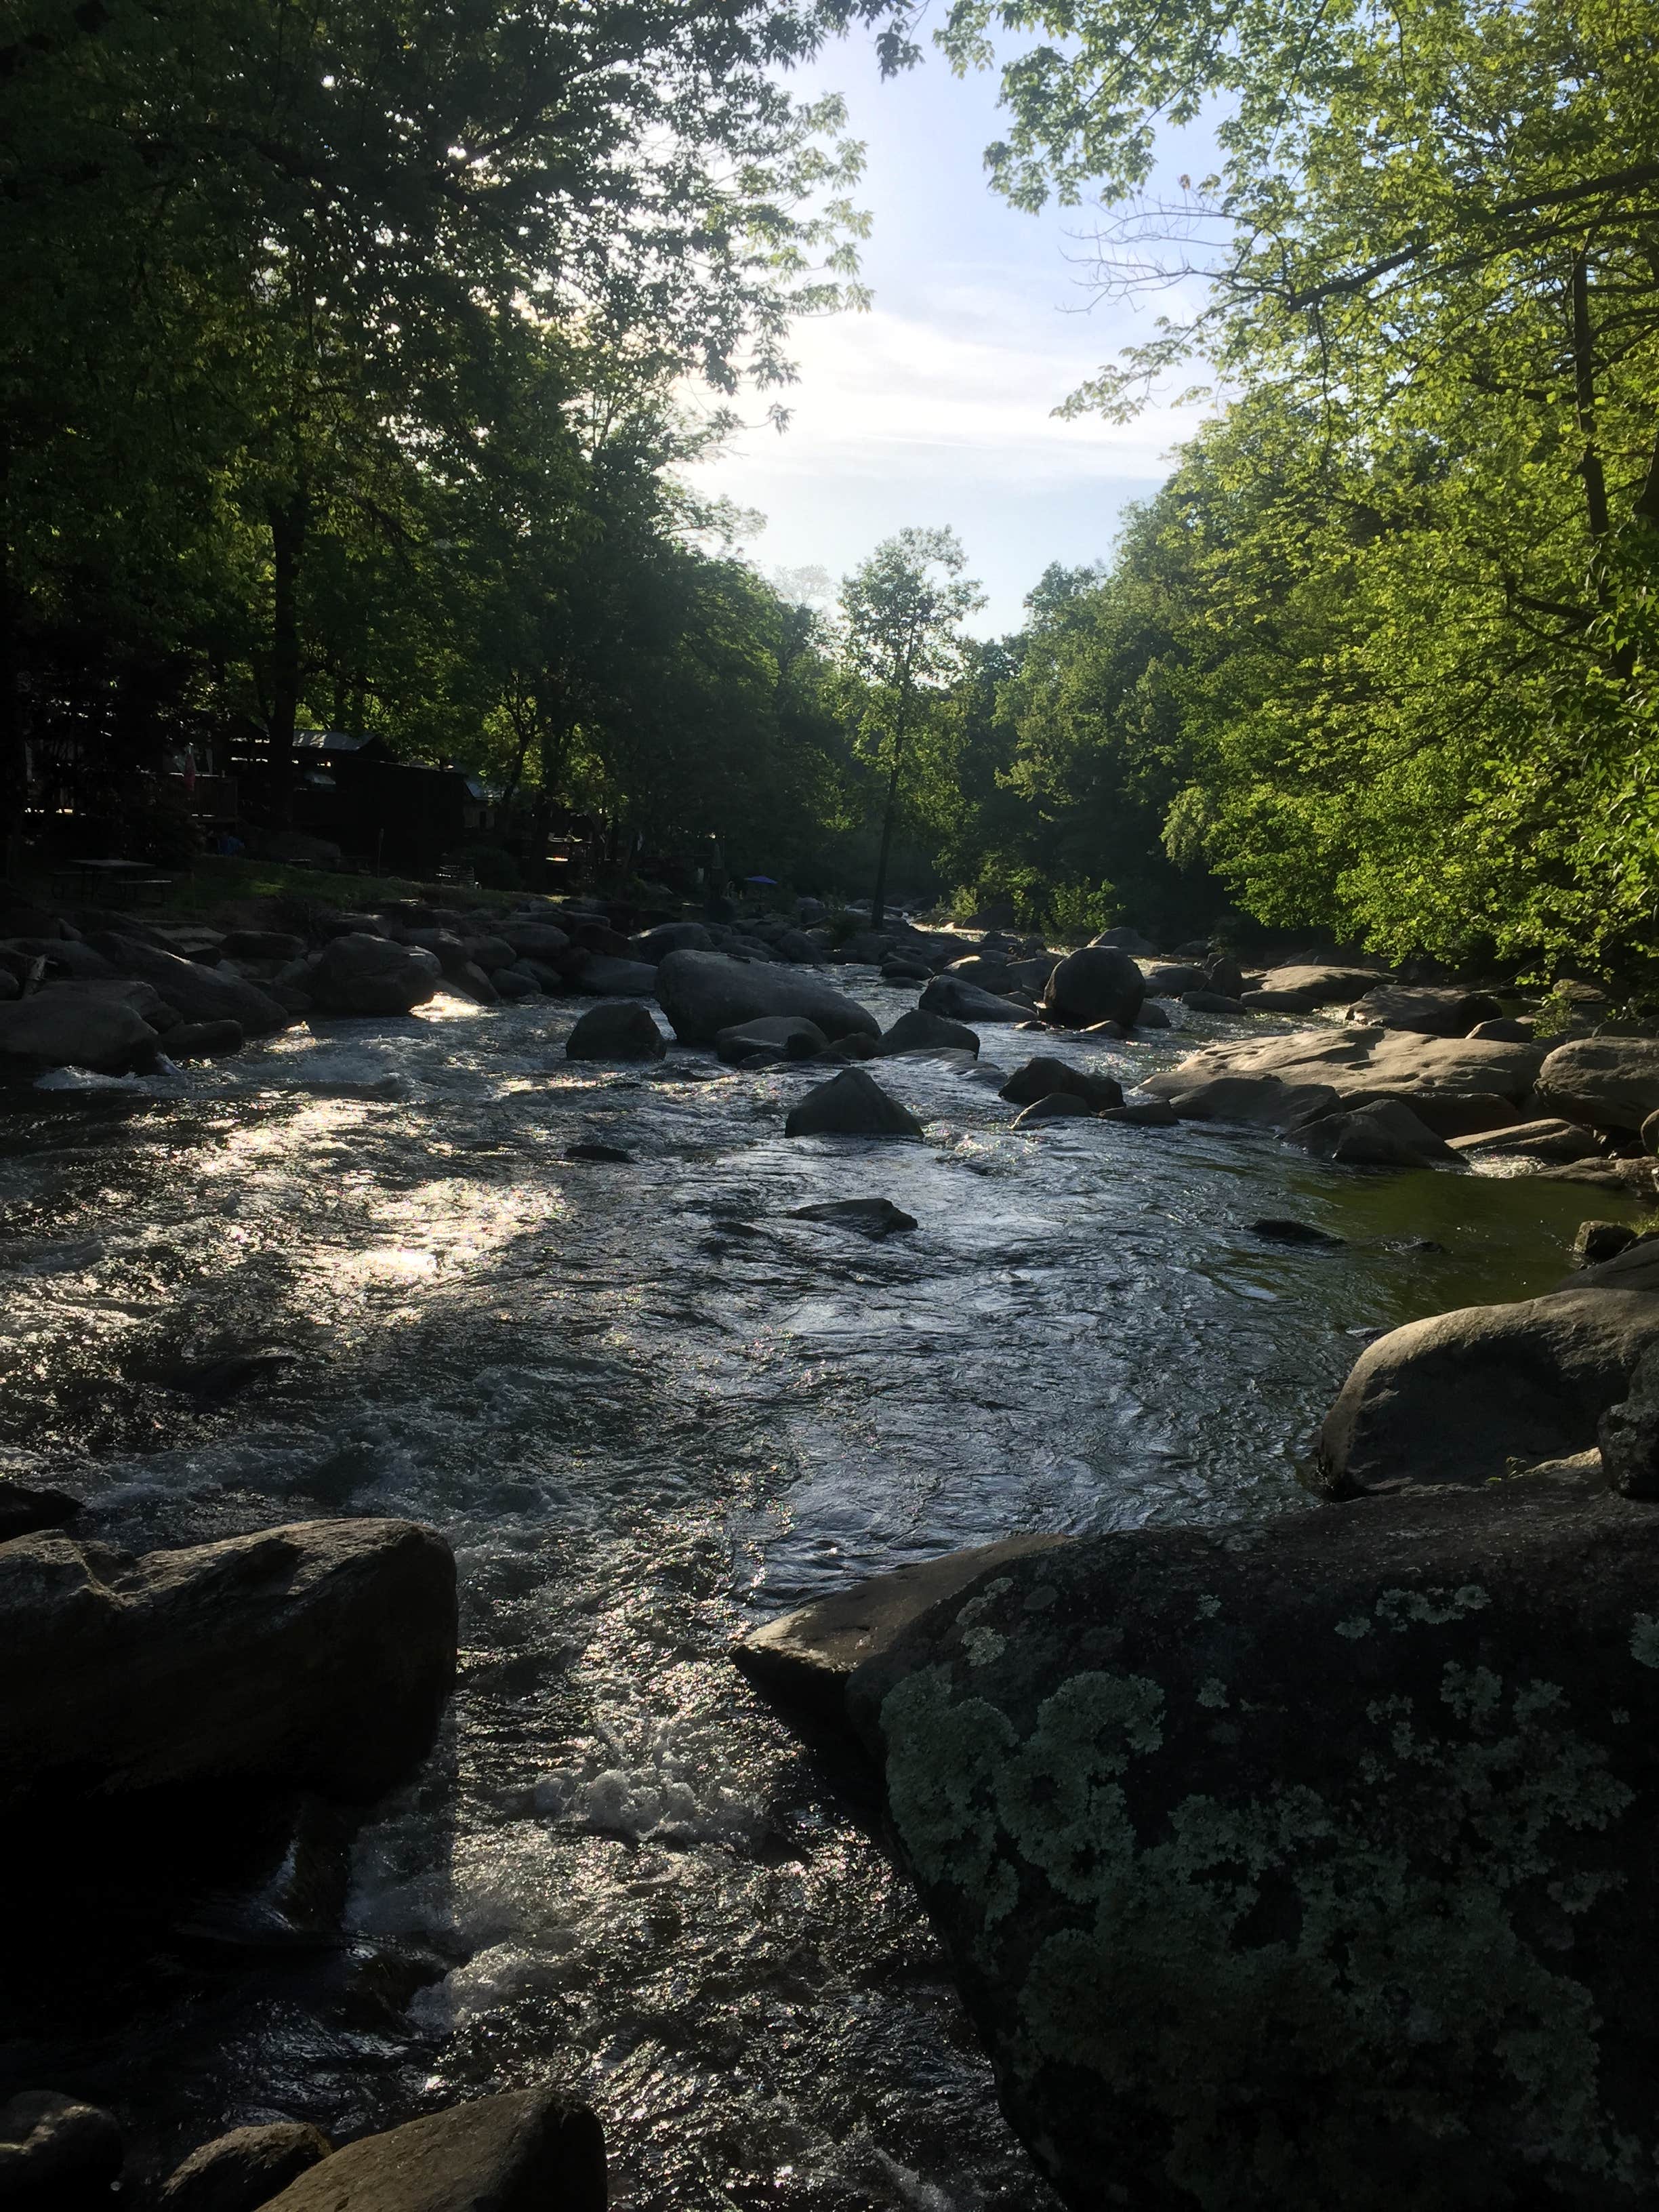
point(316, 1656)
point(531, 2151)
point(1045, 1076)
point(1455, 1398)
point(243, 2171)
point(24, 1511)
point(57, 2153)
point(1309, 1865)
point(851, 1105)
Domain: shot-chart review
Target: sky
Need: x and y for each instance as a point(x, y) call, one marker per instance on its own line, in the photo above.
point(936, 407)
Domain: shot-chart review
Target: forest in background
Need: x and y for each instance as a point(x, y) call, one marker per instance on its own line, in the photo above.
point(344, 384)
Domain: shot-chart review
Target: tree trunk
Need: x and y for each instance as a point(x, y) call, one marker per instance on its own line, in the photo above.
point(289, 519)
point(878, 903)
point(14, 775)
point(1583, 373)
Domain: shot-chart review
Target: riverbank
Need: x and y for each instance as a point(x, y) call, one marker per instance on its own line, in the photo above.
point(648, 1405)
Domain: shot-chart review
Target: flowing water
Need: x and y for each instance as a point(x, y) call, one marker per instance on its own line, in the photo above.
point(649, 1407)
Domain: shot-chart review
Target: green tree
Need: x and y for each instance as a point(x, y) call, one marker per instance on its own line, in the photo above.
point(902, 615)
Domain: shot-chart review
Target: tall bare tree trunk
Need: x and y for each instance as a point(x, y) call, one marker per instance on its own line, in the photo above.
point(289, 519)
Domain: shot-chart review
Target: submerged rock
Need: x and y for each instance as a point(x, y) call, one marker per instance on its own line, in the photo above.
point(874, 1217)
point(704, 993)
point(242, 2171)
point(851, 1105)
point(1057, 1106)
point(1306, 1864)
point(1278, 1230)
point(532, 2150)
point(1459, 1397)
point(318, 1655)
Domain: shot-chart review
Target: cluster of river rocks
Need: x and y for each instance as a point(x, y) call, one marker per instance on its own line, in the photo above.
point(1300, 1864)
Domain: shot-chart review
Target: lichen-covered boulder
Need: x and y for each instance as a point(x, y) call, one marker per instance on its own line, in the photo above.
point(1304, 1865)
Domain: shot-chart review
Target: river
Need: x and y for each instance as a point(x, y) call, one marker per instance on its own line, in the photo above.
point(648, 1408)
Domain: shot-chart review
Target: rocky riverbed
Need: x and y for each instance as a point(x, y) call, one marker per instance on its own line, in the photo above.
point(590, 1321)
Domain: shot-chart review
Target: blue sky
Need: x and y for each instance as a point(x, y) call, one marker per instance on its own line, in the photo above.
point(936, 407)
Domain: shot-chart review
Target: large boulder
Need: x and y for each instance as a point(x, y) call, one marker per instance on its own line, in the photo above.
point(851, 1105)
point(1460, 1396)
point(1303, 1865)
point(362, 975)
point(924, 1031)
point(704, 993)
point(955, 1000)
point(600, 977)
point(783, 1037)
point(1425, 1009)
point(201, 994)
point(1170, 979)
point(1282, 1080)
point(1098, 984)
point(1385, 1133)
point(316, 1656)
point(59, 1027)
point(1306, 985)
point(625, 1031)
point(532, 2150)
point(668, 937)
point(1046, 1076)
point(243, 2171)
point(1612, 1082)
point(538, 941)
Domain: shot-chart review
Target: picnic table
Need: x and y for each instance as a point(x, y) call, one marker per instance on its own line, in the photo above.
point(135, 879)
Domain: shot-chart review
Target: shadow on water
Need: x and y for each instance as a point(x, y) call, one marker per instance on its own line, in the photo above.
point(648, 1407)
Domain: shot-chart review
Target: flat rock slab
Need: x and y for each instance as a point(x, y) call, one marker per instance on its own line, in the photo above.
point(807, 1657)
point(531, 2151)
point(1307, 1864)
point(1281, 1081)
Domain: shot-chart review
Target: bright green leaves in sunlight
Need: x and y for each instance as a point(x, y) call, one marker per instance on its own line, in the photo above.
point(1415, 644)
